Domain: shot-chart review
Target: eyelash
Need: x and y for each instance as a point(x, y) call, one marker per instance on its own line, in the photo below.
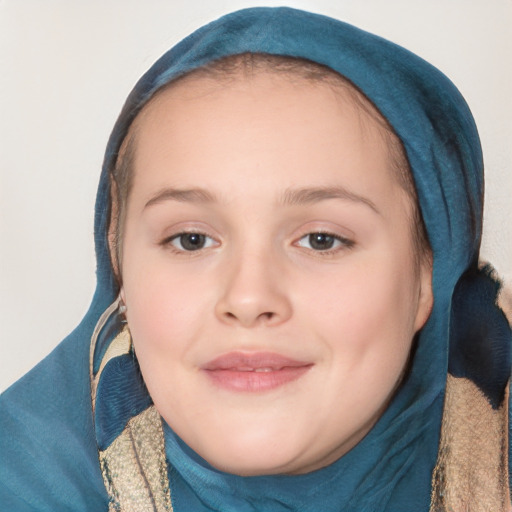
point(340, 243)
point(168, 242)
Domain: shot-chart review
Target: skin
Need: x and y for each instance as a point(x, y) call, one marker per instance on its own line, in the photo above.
point(257, 284)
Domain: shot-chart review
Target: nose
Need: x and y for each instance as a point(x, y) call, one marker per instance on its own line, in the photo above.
point(254, 292)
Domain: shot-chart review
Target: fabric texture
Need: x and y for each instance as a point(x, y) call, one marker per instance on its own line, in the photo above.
point(50, 438)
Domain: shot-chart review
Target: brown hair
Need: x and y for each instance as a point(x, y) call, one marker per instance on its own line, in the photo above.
point(229, 69)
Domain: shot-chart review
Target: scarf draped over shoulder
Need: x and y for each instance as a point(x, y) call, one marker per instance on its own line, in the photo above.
point(441, 445)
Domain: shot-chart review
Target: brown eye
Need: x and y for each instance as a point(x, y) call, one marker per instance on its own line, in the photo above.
point(324, 242)
point(321, 241)
point(191, 241)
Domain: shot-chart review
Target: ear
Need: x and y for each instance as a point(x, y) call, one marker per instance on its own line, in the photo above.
point(112, 235)
point(426, 294)
point(122, 295)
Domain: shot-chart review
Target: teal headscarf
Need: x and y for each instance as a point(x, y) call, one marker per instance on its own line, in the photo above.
point(466, 335)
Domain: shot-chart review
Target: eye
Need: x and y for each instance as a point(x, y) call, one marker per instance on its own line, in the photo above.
point(324, 242)
point(190, 241)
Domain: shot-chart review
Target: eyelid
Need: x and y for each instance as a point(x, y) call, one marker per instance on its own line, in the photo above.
point(342, 243)
point(166, 242)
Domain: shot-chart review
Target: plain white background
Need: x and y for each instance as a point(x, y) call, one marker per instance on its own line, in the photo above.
point(66, 68)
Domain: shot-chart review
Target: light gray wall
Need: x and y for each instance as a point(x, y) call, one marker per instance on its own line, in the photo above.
point(66, 68)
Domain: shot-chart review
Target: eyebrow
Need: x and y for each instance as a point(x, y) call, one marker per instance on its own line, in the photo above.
point(290, 197)
point(189, 195)
point(316, 194)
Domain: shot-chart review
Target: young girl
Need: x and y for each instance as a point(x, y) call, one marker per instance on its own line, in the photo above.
point(290, 313)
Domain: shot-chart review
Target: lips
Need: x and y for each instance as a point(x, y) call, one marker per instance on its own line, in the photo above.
point(262, 371)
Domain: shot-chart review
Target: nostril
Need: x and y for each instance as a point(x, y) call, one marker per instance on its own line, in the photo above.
point(266, 316)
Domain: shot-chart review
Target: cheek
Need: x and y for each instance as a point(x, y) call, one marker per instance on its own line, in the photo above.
point(166, 314)
point(166, 308)
point(366, 313)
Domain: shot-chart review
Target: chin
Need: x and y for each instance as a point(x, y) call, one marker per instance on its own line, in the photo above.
point(251, 467)
point(243, 455)
point(256, 459)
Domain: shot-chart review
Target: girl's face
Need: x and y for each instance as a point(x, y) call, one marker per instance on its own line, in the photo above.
point(268, 271)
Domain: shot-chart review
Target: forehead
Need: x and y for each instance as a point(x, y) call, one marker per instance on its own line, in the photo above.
point(205, 100)
point(255, 70)
point(260, 136)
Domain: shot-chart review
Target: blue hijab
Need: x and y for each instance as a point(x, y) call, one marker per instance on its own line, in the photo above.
point(47, 418)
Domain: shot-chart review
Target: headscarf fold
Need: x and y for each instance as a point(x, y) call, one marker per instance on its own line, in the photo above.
point(466, 339)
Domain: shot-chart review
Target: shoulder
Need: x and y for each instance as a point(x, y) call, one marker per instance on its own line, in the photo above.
point(47, 447)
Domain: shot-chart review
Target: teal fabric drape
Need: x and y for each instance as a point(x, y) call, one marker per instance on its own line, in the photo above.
point(49, 442)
